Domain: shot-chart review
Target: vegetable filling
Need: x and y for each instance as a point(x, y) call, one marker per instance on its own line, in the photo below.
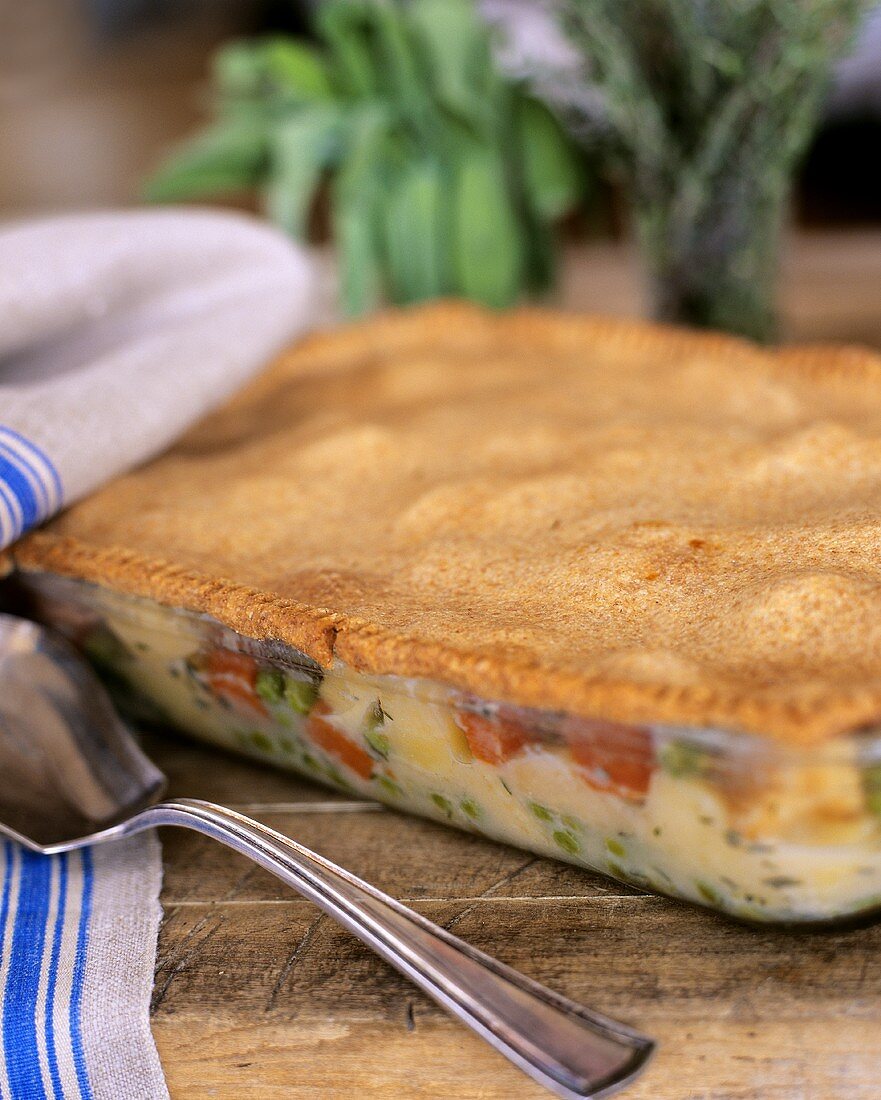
point(729, 821)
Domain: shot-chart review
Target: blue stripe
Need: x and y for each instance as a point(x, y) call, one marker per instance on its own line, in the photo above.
point(7, 500)
point(4, 905)
point(21, 488)
point(51, 1053)
point(41, 454)
point(19, 1003)
point(79, 968)
point(25, 464)
point(7, 890)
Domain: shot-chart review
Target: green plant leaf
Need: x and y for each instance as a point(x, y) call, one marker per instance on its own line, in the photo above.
point(403, 78)
point(415, 232)
point(239, 69)
point(302, 146)
point(228, 156)
point(356, 200)
point(436, 182)
point(553, 177)
point(298, 69)
point(456, 45)
point(487, 236)
point(358, 257)
point(343, 26)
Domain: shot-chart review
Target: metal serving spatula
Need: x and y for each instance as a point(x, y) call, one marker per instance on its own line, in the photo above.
point(72, 775)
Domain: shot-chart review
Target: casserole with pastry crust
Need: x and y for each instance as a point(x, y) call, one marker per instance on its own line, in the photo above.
point(605, 590)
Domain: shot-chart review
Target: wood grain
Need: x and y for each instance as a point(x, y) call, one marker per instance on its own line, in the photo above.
point(258, 995)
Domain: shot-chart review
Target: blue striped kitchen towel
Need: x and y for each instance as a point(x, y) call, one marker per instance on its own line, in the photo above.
point(30, 487)
point(77, 950)
point(117, 331)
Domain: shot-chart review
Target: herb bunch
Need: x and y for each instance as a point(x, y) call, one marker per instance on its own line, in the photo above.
point(444, 176)
point(705, 107)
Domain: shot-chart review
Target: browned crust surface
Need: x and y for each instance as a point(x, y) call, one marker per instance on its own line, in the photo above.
point(598, 515)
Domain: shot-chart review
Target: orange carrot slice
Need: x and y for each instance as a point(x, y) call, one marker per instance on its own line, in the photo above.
point(233, 677)
point(335, 743)
point(494, 738)
point(611, 756)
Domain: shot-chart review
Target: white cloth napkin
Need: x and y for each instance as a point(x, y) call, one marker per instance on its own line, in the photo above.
point(117, 331)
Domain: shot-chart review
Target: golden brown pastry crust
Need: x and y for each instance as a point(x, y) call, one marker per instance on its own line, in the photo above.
point(601, 516)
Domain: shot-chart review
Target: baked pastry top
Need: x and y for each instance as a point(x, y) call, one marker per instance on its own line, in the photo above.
point(602, 516)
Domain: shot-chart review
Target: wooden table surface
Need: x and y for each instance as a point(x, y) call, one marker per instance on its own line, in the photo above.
point(259, 996)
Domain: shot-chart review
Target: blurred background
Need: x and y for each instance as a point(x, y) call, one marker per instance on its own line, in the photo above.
point(94, 94)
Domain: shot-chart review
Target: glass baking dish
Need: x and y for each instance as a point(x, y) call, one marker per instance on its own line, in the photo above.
point(728, 820)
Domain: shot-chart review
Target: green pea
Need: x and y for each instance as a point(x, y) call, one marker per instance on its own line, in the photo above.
point(541, 812)
point(260, 740)
point(565, 840)
point(373, 735)
point(443, 804)
point(269, 685)
point(337, 778)
point(709, 895)
point(379, 743)
point(300, 695)
point(680, 758)
point(389, 786)
point(872, 788)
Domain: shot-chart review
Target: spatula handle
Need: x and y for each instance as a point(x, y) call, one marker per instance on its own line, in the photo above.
point(570, 1050)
